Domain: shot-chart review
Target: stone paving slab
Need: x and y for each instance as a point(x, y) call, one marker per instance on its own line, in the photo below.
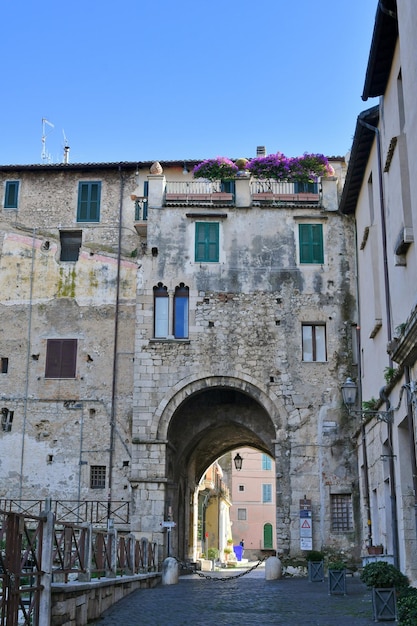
point(249, 600)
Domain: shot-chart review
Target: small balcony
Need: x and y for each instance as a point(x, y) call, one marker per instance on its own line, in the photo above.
point(141, 214)
point(223, 193)
point(272, 193)
point(200, 193)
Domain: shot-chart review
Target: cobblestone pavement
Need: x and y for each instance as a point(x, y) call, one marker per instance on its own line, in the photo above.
point(248, 601)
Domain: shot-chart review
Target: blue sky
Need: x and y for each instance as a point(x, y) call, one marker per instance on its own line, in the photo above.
point(146, 80)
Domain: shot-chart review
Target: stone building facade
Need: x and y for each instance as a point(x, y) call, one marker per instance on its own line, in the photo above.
point(381, 192)
point(190, 321)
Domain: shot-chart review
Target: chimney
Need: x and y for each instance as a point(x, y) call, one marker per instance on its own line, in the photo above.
point(260, 151)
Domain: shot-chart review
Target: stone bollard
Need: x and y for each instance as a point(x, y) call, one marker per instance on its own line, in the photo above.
point(273, 568)
point(170, 571)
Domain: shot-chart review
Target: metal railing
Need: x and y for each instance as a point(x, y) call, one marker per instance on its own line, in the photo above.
point(198, 192)
point(270, 190)
point(141, 209)
point(197, 187)
point(36, 551)
point(22, 575)
point(74, 511)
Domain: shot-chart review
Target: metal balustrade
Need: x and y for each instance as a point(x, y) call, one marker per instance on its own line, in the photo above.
point(75, 511)
point(36, 551)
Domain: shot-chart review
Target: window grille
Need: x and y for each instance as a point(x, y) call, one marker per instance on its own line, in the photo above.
point(341, 511)
point(98, 477)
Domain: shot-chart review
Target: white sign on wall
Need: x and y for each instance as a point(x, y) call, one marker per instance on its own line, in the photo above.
point(306, 525)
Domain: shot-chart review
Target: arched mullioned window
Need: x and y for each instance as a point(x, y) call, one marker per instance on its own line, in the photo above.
point(161, 310)
point(181, 311)
point(164, 325)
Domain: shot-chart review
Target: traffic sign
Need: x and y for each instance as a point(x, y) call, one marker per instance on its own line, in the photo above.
point(168, 524)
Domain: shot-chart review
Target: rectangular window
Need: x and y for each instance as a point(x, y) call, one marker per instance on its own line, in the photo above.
point(314, 342)
point(341, 512)
point(267, 493)
point(311, 243)
point(70, 244)
point(98, 477)
point(89, 202)
point(181, 312)
point(266, 462)
point(4, 365)
point(242, 514)
point(161, 317)
point(241, 487)
point(61, 358)
point(11, 194)
point(6, 420)
point(207, 242)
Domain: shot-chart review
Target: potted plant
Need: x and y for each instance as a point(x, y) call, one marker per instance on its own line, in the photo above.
point(378, 549)
point(337, 577)
point(315, 563)
point(386, 581)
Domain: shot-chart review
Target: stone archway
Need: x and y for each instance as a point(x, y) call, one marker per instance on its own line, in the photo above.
point(204, 421)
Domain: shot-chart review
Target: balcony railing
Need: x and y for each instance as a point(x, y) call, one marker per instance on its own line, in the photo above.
point(197, 193)
point(273, 192)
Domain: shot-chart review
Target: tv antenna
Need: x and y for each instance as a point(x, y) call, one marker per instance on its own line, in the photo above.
point(46, 157)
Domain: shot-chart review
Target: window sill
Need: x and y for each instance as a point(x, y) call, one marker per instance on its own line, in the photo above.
point(169, 340)
point(314, 362)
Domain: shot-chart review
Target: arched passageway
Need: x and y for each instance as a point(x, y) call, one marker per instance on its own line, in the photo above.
point(207, 424)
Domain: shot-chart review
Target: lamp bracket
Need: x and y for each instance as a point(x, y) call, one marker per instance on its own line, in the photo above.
point(381, 416)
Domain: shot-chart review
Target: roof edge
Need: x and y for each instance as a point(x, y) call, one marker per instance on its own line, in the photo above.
point(362, 143)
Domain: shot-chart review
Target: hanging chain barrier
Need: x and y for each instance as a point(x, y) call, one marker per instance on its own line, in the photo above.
point(187, 566)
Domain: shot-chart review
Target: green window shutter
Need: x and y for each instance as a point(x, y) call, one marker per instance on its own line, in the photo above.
point(228, 186)
point(311, 243)
point(11, 195)
point(145, 204)
point(268, 536)
point(207, 242)
point(305, 187)
point(89, 202)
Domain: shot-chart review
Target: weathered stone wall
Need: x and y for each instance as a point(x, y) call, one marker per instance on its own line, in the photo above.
point(238, 379)
point(246, 314)
point(62, 426)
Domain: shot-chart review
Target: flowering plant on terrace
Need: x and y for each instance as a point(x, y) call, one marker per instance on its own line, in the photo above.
point(220, 168)
point(310, 167)
point(307, 168)
point(276, 166)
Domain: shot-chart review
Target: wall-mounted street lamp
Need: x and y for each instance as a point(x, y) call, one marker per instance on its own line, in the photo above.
point(238, 462)
point(349, 393)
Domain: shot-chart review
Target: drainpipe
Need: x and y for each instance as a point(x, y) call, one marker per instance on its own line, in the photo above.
point(115, 346)
point(29, 337)
point(393, 495)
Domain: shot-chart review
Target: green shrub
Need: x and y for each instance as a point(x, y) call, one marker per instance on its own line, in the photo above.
point(407, 607)
point(337, 565)
point(314, 555)
point(212, 553)
point(384, 575)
